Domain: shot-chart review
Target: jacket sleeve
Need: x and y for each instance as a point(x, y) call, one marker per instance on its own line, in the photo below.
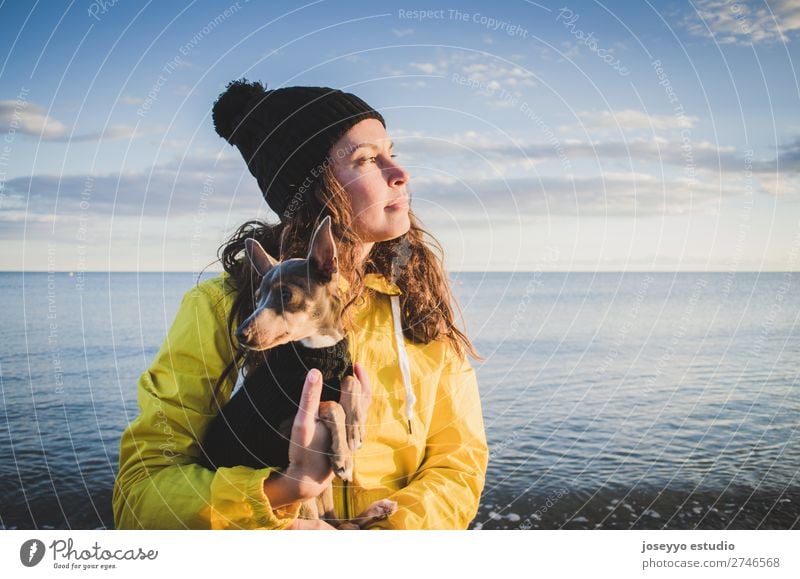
point(160, 484)
point(445, 491)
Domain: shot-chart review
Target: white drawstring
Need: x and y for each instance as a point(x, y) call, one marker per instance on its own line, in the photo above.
point(405, 366)
point(239, 382)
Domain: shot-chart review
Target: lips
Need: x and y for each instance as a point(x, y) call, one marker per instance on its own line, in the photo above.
point(401, 203)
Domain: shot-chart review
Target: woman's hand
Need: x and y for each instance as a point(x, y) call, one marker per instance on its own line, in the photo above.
point(309, 464)
point(365, 398)
point(309, 470)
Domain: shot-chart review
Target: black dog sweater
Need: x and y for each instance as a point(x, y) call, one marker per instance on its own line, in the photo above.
point(247, 430)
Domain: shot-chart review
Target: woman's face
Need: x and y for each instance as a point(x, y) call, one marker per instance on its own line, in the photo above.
point(364, 164)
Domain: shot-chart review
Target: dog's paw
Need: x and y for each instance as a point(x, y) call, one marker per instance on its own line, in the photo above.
point(355, 436)
point(343, 467)
point(362, 433)
point(379, 510)
point(355, 410)
point(387, 508)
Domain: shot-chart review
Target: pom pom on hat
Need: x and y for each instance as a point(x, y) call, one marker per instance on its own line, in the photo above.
point(232, 106)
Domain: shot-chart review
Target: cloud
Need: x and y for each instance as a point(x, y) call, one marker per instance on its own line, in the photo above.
point(417, 83)
point(427, 67)
point(656, 150)
point(402, 32)
point(607, 194)
point(780, 184)
point(479, 152)
point(744, 21)
point(571, 50)
point(171, 190)
point(788, 159)
point(113, 132)
point(500, 72)
point(630, 119)
point(482, 70)
point(131, 100)
point(29, 119)
point(642, 176)
point(22, 117)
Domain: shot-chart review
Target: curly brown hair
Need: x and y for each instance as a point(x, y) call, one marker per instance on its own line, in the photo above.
point(426, 302)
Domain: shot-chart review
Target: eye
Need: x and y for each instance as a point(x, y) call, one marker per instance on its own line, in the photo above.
point(286, 295)
point(366, 160)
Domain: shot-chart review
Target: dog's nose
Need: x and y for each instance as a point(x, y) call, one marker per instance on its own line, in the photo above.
point(243, 334)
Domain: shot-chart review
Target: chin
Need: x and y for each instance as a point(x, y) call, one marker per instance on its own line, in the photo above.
point(391, 230)
point(401, 229)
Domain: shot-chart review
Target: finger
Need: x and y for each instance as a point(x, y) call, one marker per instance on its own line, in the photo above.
point(366, 389)
point(309, 401)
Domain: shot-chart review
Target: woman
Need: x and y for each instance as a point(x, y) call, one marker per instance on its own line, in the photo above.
point(315, 152)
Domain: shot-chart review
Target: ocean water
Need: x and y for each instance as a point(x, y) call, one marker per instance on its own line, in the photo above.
point(611, 400)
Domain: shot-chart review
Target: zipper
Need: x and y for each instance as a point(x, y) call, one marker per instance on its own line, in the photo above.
point(354, 356)
point(341, 499)
point(345, 501)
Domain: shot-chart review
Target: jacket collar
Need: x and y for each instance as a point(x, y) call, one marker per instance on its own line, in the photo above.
point(376, 282)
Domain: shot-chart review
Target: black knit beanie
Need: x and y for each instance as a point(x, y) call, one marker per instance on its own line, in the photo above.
point(285, 135)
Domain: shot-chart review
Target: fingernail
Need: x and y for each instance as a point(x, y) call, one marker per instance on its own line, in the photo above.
point(314, 376)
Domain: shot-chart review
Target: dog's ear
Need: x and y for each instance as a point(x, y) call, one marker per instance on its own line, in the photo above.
point(261, 260)
point(322, 253)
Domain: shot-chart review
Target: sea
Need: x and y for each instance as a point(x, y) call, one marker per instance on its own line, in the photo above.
point(610, 400)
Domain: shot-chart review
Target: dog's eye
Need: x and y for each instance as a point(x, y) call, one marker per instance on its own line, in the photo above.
point(286, 295)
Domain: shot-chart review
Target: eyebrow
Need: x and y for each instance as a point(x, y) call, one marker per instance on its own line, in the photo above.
point(371, 146)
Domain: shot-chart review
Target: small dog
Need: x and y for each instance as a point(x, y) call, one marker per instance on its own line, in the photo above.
point(297, 324)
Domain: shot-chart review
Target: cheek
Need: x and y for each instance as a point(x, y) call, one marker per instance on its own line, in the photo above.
point(357, 203)
point(363, 201)
point(352, 186)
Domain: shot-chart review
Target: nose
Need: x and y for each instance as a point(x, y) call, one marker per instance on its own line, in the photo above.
point(243, 333)
point(396, 175)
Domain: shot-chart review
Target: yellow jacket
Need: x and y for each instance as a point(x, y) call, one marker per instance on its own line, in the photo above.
point(436, 473)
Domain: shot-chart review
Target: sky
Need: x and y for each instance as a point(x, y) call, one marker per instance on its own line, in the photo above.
point(539, 136)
